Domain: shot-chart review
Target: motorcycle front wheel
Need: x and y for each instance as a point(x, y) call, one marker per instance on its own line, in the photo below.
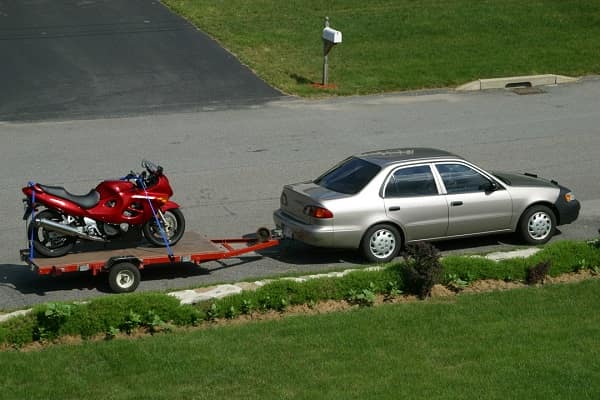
point(46, 242)
point(174, 229)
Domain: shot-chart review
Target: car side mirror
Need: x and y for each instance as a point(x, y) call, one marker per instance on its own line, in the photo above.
point(492, 187)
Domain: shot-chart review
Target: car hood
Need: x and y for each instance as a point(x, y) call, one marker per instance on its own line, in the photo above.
point(520, 180)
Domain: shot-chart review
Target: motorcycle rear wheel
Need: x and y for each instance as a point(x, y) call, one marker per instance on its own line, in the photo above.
point(174, 229)
point(50, 243)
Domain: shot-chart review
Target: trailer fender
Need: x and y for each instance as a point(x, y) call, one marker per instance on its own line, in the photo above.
point(128, 259)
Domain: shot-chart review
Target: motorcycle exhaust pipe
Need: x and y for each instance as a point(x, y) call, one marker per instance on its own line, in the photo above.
point(67, 230)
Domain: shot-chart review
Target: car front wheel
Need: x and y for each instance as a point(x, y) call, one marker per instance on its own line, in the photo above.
point(537, 225)
point(381, 243)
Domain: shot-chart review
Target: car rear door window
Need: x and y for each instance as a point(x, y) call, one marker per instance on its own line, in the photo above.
point(411, 182)
point(459, 178)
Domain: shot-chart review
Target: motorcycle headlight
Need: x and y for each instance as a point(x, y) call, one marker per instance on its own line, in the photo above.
point(569, 197)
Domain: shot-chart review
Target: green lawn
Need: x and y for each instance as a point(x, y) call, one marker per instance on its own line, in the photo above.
point(534, 343)
point(391, 45)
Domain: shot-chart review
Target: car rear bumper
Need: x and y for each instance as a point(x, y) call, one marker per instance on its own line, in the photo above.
point(315, 235)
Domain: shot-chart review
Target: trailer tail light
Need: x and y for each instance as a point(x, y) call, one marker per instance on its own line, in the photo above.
point(318, 212)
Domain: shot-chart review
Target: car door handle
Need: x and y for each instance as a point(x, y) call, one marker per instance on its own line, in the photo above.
point(456, 203)
point(394, 209)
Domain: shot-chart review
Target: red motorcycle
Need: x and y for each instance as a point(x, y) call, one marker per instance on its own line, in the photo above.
point(105, 213)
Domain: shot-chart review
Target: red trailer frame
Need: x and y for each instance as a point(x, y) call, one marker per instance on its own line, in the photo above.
point(124, 265)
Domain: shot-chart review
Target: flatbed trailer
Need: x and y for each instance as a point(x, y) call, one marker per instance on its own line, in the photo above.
point(123, 265)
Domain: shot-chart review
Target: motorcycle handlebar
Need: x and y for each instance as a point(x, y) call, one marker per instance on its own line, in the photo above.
point(141, 179)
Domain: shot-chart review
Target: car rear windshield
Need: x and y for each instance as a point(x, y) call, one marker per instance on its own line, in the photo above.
point(349, 177)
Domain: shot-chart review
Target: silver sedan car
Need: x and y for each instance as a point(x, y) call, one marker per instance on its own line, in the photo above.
point(379, 200)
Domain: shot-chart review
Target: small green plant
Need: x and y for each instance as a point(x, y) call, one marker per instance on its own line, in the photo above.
point(364, 297)
point(247, 307)
point(391, 291)
point(537, 273)
point(132, 321)
point(281, 305)
point(212, 313)
point(595, 243)
point(153, 323)
point(456, 283)
point(111, 333)
point(231, 313)
point(581, 265)
point(50, 319)
point(422, 268)
point(264, 303)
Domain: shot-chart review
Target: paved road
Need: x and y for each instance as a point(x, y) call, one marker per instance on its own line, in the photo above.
point(85, 59)
point(228, 166)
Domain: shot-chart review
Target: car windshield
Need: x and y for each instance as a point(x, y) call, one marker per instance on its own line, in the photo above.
point(348, 177)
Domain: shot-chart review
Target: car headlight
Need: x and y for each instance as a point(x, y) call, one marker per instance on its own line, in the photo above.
point(569, 197)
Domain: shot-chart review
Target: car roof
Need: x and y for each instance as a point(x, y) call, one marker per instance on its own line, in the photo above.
point(393, 156)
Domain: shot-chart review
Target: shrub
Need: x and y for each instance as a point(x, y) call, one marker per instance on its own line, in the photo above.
point(422, 268)
point(18, 331)
point(102, 315)
point(537, 273)
point(567, 256)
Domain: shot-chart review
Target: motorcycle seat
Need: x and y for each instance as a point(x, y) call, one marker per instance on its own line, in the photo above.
point(85, 201)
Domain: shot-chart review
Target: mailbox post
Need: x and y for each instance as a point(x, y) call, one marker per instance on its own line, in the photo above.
point(330, 37)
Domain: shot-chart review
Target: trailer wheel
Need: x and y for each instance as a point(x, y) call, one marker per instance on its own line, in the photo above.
point(124, 277)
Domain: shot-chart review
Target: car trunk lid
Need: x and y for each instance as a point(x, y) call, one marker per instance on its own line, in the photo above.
point(296, 197)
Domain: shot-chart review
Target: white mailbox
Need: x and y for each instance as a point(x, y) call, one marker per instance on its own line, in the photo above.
point(332, 36)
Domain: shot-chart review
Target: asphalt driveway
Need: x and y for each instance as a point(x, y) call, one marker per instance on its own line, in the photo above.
point(85, 59)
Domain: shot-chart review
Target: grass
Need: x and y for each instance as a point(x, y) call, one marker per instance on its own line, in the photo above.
point(391, 45)
point(527, 343)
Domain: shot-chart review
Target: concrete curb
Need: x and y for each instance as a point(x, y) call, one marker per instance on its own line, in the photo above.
point(516, 81)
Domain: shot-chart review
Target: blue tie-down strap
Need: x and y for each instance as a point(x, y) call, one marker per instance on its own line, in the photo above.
point(163, 234)
point(32, 184)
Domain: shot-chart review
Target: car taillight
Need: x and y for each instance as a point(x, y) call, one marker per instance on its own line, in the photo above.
point(318, 212)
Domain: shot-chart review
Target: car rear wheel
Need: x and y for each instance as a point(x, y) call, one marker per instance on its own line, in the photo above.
point(537, 225)
point(381, 243)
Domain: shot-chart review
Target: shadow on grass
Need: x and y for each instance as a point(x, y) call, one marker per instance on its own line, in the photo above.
point(301, 80)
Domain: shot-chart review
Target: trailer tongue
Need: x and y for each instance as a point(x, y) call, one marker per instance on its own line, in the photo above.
point(124, 265)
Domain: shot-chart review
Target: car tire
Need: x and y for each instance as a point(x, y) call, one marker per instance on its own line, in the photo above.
point(381, 243)
point(537, 225)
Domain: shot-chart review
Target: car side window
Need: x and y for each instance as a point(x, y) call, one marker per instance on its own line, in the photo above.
point(410, 182)
point(459, 178)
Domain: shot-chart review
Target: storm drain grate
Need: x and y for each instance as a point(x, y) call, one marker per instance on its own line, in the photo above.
point(527, 90)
